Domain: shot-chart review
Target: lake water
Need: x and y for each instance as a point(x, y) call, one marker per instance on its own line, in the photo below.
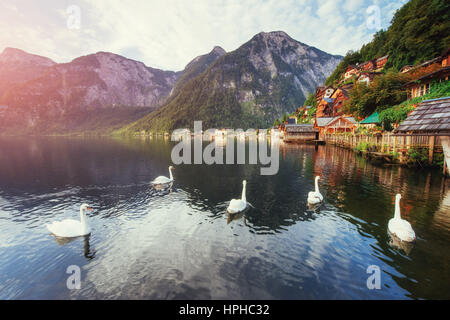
point(181, 244)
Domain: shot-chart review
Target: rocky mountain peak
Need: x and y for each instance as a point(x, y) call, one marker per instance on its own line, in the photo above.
point(218, 50)
point(13, 55)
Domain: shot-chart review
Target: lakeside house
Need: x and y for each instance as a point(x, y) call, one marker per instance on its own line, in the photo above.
point(299, 133)
point(333, 125)
point(371, 121)
point(430, 119)
point(422, 85)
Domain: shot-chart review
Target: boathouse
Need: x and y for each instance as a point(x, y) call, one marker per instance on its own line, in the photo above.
point(299, 133)
point(333, 125)
point(430, 119)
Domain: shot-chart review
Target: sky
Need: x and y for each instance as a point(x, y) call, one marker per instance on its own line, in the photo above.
point(168, 34)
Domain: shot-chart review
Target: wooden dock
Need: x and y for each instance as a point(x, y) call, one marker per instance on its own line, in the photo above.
point(389, 145)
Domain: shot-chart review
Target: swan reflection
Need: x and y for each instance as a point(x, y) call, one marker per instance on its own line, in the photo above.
point(400, 245)
point(236, 216)
point(87, 252)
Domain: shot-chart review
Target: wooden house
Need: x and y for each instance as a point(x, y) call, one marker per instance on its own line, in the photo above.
point(339, 96)
point(367, 77)
point(323, 92)
point(299, 133)
point(325, 108)
point(422, 85)
point(371, 121)
point(351, 71)
point(333, 125)
point(367, 66)
point(381, 62)
point(431, 118)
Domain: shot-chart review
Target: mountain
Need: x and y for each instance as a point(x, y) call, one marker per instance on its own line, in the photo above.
point(196, 67)
point(18, 66)
point(269, 75)
point(93, 84)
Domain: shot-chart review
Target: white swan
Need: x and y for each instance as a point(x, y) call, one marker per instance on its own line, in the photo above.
point(164, 180)
point(238, 205)
point(71, 228)
point(400, 228)
point(314, 197)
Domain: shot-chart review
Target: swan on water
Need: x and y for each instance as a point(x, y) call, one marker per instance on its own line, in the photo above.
point(238, 205)
point(164, 180)
point(314, 197)
point(398, 227)
point(71, 228)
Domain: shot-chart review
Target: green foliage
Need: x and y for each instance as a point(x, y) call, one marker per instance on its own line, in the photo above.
point(363, 146)
point(350, 58)
point(418, 156)
point(398, 113)
point(311, 100)
point(385, 91)
point(419, 31)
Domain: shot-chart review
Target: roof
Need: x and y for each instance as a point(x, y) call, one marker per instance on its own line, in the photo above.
point(383, 57)
point(429, 116)
point(300, 128)
point(373, 118)
point(430, 75)
point(324, 121)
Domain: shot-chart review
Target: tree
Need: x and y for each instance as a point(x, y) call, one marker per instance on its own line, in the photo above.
point(385, 91)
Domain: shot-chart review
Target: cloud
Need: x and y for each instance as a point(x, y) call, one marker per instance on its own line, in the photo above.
point(168, 34)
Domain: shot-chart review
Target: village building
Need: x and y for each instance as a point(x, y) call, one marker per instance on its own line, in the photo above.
point(351, 71)
point(367, 77)
point(333, 125)
point(422, 85)
point(339, 96)
point(299, 133)
point(371, 121)
point(431, 118)
point(325, 107)
point(323, 92)
point(381, 62)
point(367, 66)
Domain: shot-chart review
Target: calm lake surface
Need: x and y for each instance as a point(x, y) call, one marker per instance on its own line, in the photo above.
point(181, 244)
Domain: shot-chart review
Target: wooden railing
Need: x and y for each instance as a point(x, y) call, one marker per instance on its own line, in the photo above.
point(389, 143)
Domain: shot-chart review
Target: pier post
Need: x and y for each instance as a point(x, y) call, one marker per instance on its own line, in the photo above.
point(393, 144)
point(431, 142)
point(446, 148)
